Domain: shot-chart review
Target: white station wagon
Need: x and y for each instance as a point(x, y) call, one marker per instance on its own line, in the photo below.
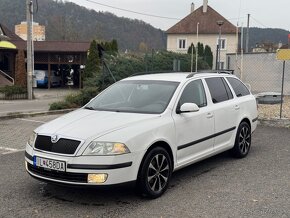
point(142, 129)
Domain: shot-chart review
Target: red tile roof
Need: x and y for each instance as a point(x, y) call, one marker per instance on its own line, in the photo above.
point(55, 46)
point(207, 23)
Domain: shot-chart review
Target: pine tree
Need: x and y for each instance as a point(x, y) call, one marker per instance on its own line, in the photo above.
point(93, 62)
point(190, 48)
point(208, 56)
point(200, 49)
point(114, 45)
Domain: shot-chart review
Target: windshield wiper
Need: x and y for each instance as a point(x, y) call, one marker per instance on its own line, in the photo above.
point(89, 108)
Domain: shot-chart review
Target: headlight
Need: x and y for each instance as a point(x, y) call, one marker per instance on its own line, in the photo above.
point(106, 148)
point(32, 139)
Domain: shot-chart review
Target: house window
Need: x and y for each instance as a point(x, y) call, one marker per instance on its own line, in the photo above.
point(182, 43)
point(221, 65)
point(223, 43)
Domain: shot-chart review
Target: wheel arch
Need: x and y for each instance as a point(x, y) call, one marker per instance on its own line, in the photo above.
point(246, 120)
point(161, 144)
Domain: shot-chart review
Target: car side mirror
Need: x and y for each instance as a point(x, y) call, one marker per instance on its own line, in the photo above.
point(188, 107)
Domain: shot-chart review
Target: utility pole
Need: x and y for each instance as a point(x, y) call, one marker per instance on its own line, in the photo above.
point(196, 52)
point(219, 23)
point(247, 36)
point(29, 11)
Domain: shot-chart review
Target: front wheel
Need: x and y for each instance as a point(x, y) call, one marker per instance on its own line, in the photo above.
point(155, 173)
point(243, 141)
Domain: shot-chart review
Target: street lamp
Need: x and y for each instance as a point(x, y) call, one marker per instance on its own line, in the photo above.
point(218, 58)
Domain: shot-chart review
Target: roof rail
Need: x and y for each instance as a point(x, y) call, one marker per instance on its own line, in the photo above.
point(211, 71)
point(152, 72)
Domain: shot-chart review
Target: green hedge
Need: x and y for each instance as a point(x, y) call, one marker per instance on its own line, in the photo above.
point(75, 100)
point(12, 90)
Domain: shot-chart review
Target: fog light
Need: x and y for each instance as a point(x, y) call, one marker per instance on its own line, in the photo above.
point(97, 178)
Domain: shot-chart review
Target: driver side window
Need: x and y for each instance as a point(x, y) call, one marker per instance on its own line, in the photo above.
point(193, 93)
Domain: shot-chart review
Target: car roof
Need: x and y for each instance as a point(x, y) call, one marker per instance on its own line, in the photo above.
point(175, 77)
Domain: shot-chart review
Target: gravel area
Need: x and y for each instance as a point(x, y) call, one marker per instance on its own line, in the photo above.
point(268, 111)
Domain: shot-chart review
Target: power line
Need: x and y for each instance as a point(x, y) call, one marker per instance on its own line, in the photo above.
point(134, 12)
point(258, 22)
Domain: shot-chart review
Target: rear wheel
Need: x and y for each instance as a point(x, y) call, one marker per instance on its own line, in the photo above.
point(155, 173)
point(243, 141)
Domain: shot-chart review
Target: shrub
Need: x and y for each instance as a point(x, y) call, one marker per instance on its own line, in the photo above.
point(13, 90)
point(75, 100)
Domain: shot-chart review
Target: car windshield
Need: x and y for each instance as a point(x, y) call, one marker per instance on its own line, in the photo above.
point(135, 96)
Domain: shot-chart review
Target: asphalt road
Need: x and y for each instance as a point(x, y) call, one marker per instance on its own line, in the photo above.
point(257, 186)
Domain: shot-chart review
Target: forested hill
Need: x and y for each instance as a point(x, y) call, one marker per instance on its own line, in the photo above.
point(259, 35)
point(68, 21)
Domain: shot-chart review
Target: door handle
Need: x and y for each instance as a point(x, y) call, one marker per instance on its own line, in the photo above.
point(209, 115)
point(237, 107)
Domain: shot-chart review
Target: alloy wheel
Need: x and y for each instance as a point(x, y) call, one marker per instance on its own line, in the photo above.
point(158, 173)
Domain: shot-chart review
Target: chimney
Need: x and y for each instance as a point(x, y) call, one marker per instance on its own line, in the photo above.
point(192, 7)
point(205, 6)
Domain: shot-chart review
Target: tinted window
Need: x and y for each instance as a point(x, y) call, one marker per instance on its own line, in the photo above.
point(193, 93)
point(239, 88)
point(229, 92)
point(218, 89)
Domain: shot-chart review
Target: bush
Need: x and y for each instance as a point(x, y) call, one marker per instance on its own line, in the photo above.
point(13, 90)
point(75, 100)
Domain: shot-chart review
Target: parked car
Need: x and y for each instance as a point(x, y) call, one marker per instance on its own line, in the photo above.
point(142, 129)
point(41, 77)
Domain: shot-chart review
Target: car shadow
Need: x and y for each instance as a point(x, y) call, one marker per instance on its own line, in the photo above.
point(126, 193)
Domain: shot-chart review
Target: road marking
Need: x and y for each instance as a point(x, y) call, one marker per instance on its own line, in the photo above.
point(10, 150)
point(35, 121)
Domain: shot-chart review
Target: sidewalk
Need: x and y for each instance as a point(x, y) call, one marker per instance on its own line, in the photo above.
point(41, 103)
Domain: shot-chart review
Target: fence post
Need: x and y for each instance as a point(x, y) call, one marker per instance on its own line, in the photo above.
point(282, 91)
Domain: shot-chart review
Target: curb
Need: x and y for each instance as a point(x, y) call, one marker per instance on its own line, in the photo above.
point(275, 122)
point(34, 114)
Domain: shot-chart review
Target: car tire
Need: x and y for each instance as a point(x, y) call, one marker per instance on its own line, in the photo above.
point(155, 173)
point(243, 141)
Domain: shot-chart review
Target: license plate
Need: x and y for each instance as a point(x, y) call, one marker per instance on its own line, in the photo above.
point(49, 163)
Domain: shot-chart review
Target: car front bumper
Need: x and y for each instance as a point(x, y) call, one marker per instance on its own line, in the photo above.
point(120, 169)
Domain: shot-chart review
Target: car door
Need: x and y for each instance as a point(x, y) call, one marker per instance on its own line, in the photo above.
point(194, 128)
point(225, 112)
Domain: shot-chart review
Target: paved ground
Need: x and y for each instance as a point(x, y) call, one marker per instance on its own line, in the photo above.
point(257, 186)
point(43, 99)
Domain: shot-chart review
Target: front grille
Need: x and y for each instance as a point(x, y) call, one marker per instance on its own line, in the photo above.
point(62, 146)
point(64, 176)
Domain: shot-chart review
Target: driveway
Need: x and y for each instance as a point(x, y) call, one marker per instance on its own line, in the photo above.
point(257, 186)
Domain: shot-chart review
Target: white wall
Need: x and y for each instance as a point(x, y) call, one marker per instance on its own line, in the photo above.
point(207, 39)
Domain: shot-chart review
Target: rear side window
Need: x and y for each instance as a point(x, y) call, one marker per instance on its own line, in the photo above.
point(239, 88)
point(219, 89)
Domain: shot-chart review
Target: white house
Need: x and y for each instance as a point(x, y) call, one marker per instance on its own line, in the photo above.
point(181, 35)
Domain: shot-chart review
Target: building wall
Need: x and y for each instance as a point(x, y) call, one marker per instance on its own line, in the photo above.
point(261, 70)
point(38, 31)
point(207, 39)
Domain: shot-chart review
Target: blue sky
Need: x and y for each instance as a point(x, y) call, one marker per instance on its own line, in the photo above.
point(273, 14)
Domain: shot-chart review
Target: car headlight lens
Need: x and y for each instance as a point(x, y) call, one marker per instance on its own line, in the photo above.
point(106, 148)
point(32, 139)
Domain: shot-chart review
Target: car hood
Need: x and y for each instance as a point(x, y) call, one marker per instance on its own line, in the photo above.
point(89, 124)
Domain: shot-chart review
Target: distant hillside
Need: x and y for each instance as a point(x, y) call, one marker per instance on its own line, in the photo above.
point(259, 35)
point(68, 21)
